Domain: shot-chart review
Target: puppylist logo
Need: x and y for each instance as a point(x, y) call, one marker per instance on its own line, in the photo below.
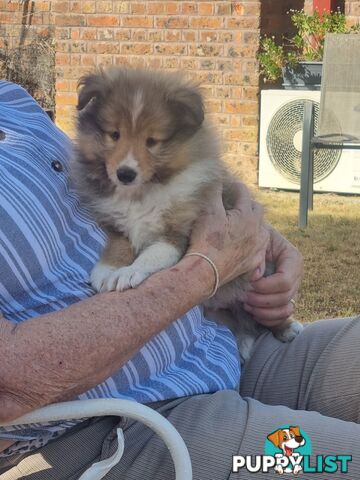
point(287, 450)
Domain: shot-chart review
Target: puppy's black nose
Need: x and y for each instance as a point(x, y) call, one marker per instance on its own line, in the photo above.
point(126, 175)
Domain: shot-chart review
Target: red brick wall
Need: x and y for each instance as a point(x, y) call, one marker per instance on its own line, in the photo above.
point(215, 42)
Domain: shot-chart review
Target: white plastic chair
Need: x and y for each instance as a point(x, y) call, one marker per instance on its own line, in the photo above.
point(122, 408)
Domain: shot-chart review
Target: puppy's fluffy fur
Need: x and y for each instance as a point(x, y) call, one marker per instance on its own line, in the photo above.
point(147, 164)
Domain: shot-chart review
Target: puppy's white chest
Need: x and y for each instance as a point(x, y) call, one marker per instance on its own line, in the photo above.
point(143, 223)
point(140, 221)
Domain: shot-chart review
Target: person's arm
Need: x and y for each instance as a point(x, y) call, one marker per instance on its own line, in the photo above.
point(59, 355)
point(62, 354)
point(270, 302)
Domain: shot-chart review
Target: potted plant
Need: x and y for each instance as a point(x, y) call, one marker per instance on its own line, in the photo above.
point(299, 59)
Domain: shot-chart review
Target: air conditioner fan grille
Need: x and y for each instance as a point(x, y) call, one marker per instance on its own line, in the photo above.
point(283, 142)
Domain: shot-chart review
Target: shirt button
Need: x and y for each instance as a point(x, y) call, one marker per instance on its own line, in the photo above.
point(2, 135)
point(57, 166)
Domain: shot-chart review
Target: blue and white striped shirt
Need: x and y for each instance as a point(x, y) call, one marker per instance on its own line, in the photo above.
point(48, 246)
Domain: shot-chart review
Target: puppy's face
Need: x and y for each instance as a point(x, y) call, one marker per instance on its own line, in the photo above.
point(287, 438)
point(135, 125)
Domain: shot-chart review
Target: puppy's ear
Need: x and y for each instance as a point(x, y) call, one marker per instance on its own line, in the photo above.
point(91, 86)
point(295, 431)
point(186, 104)
point(275, 438)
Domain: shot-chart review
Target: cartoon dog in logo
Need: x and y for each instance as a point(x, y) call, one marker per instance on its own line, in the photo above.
point(287, 439)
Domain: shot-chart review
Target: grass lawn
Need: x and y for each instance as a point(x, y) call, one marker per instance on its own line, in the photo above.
point(331, 249)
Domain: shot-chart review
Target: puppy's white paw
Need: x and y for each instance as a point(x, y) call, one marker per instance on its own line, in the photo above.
point(99, 276)
point(289, 332)
point(279, 469)
point(125, 278)
point(245, 345)
point(297, 469)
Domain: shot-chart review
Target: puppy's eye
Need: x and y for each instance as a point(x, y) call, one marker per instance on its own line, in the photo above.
point(151, 142)
point(115, 136)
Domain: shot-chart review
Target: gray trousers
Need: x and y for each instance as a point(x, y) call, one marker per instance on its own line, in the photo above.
point(313, 383)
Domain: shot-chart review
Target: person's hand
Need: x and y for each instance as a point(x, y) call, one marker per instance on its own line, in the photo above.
point(235, 240)
point(271, 302)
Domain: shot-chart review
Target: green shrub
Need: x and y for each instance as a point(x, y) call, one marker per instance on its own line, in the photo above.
point(31, 65)
point(306, 45)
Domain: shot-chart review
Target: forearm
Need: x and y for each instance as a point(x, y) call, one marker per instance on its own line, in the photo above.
point(59, 355)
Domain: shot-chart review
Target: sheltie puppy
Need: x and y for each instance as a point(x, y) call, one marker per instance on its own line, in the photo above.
point(147, 164)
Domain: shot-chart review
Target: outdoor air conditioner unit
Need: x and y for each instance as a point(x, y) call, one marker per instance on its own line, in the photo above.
point(281, 142)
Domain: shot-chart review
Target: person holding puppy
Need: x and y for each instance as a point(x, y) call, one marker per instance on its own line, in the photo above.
point(152, 344)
